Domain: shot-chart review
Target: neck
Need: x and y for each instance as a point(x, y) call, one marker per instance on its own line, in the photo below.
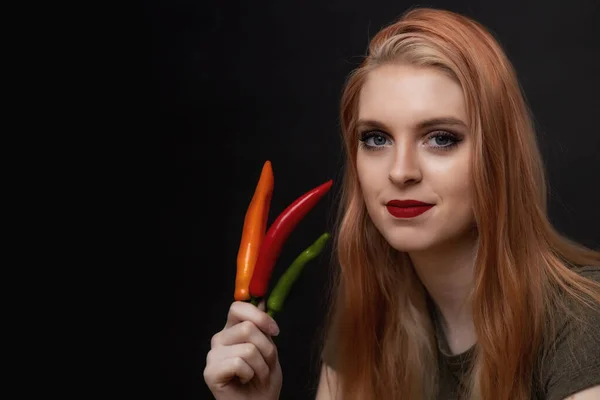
point(447, 274)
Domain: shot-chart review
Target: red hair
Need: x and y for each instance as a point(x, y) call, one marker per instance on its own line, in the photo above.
point(385, 345)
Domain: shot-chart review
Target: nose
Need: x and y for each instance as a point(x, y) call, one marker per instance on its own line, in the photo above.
point(405, 169)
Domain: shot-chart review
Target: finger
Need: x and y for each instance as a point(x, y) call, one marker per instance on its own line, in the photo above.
point(262, 305)
point(247, 332)
point(222, 373)
point(252, 356)
point(242, 311)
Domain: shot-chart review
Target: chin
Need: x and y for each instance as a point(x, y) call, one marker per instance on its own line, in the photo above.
point(409, 245)
point(409, 242)
point(410, 238)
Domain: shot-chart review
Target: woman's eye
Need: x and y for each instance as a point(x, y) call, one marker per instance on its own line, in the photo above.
point(443, 140)
point(377, 140)
point(373, 141)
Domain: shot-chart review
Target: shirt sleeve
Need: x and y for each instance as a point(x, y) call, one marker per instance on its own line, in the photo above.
point(572, 364)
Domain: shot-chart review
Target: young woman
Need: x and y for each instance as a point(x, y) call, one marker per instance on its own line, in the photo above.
point(452, 283)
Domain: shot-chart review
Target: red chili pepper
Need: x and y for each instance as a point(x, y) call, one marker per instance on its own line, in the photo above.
point(278, 233)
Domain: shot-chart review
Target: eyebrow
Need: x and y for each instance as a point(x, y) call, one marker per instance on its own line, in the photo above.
point(428, 123)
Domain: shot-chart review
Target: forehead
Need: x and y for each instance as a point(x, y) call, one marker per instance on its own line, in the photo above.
point(401, 94)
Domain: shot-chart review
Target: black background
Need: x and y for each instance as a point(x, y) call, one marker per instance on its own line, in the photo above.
point(235, 83)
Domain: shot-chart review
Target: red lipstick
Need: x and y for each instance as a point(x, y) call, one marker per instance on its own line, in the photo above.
point(407, 208)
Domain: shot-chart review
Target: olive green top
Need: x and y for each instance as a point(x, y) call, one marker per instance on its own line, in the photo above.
point(572, 364)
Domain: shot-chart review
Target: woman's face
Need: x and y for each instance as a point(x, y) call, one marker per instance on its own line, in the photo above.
point(415, 145)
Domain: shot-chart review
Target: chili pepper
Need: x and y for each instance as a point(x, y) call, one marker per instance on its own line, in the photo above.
point(278, 233)
point(253, 232)
point(282, 289)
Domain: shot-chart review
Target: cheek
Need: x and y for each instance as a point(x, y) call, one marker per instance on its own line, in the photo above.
point(455, 215)
point(367, 189)
point(463, 180)
point(362, 171)
point(370, 179)
point(453, 174)
point(453, 184)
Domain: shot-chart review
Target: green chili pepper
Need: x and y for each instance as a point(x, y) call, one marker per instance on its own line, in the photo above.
point(284, 285)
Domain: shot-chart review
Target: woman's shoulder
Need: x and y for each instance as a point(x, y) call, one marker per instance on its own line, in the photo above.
point(571, 360)
point(588, 271)
point(582, 311)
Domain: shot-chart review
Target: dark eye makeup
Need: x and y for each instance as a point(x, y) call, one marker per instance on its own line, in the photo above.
point(443, 140)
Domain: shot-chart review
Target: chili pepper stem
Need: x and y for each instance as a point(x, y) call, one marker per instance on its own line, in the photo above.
point(271, 313)
point(254, 300)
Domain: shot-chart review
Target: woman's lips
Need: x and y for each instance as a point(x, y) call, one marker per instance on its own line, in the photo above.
point(407, 212)
point(407, 208)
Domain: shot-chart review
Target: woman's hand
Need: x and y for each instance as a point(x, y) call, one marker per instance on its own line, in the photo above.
point(243, 362)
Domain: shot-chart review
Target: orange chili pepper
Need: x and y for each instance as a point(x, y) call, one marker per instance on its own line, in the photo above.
point(255, 226)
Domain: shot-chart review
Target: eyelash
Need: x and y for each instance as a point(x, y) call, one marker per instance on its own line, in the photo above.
point(369, 134)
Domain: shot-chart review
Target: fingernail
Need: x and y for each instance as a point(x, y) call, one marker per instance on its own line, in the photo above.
point(274, 329)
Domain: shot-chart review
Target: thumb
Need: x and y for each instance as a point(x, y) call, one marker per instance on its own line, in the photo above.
point(262, 305)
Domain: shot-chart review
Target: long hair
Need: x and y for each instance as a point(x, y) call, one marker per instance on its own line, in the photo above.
point(385, 343)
